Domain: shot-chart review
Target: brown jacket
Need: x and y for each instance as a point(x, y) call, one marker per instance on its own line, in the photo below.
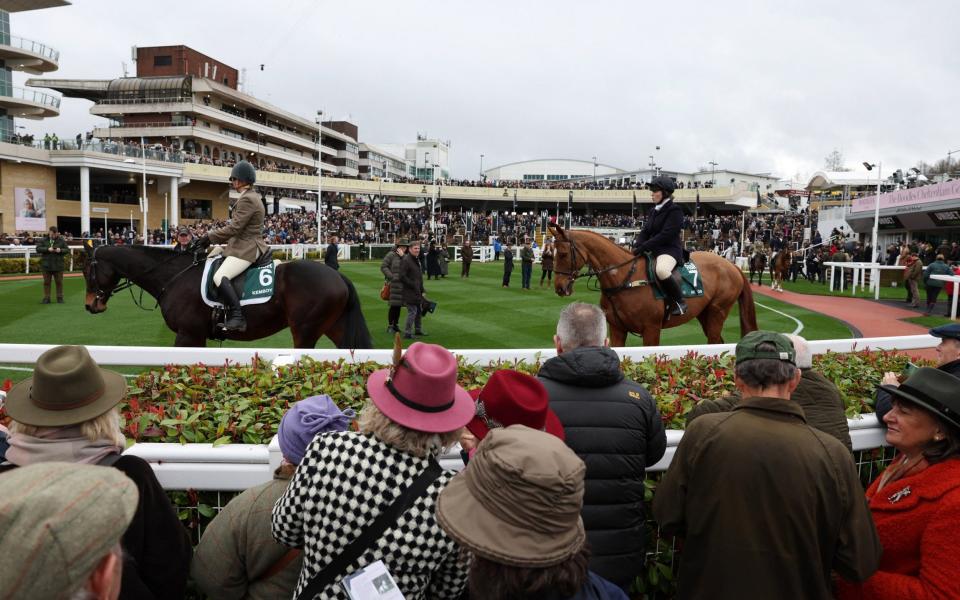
point(913, 271)
point(768, 506)
point(244, 232)
point(817, 396)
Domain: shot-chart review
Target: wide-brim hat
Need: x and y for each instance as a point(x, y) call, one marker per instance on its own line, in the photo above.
point(67, 388)
point(513, 398)
point(421, 392)
point(934, 390)
point(518, 502)
point(403, 242)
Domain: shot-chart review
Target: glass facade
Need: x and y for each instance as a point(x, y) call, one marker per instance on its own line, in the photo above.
point(6, 79)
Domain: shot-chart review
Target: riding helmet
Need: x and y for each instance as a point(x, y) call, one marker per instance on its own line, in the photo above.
point(243, 171)
point(664, 184)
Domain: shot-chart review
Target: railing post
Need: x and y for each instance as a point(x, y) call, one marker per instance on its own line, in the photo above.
point(26, 255)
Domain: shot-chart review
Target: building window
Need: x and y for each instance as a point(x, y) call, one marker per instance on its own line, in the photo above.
point(528, 177)
point(162, 60)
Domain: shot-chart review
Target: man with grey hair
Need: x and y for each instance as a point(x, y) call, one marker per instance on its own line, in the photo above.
point(818, 397)
point(613, 424)
point(768, 506)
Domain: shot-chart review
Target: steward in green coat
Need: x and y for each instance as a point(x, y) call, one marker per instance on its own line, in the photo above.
point(52, 250)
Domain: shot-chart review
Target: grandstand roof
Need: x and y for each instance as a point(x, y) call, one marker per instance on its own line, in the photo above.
point(823, 180)
point(573, 160)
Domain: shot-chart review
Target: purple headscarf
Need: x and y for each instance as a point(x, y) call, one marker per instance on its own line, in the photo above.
point(307, 418)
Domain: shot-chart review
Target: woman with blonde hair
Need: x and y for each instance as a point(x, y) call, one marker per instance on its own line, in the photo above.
point(368, 496)
point(67, 412)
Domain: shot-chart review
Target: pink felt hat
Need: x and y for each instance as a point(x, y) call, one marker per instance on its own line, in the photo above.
point(422, 392)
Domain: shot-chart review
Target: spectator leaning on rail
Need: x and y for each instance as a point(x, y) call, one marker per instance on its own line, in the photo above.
point(244, 238)
point(60, 529)
point(237, 556)
point(767, 505)
point(184, 240)
point(390, 267)
point(948, 360)
point(916, 501)
point(819, 398)
point(613, 424)
point(660, 237)
point(346, 481)
point(516, 509)
point(933, 286)
point(67, 411)
point(52, 250)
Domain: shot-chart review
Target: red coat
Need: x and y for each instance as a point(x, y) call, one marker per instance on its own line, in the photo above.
point(920, 534)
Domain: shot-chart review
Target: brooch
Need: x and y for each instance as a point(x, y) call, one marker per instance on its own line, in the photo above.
point(900, 495)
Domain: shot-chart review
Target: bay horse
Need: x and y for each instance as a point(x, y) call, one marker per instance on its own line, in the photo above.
point(758, 264)
point(308, 297)
point(627, 299)
point(780, 269)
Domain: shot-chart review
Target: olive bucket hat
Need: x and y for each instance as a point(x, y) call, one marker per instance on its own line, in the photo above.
point(67, 388)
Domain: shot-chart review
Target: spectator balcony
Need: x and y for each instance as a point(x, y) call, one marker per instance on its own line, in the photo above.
point(28, 104)
point(21, 54)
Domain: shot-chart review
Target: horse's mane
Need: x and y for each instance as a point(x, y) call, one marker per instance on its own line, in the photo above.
point(592, 234)
point(151, 251)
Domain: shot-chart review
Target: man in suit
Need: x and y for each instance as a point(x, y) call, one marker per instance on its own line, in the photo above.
point(466, 256)
point(330, 258)
point(52, 251)
point(243, 235)
point(661, 237)
point(507, 264)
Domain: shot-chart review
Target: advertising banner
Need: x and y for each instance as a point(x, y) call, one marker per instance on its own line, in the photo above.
point(31, 208)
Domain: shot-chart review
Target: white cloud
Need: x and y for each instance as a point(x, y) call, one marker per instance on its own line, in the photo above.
point(751, 85)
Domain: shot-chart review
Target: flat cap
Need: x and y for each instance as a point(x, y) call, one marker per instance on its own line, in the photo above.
point(947, 331)
point(57, 522)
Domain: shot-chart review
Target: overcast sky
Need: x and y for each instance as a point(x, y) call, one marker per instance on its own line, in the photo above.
point(756, 86)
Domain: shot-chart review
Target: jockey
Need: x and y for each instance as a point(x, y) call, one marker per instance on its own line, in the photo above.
point(243, 235)
point(661, 237)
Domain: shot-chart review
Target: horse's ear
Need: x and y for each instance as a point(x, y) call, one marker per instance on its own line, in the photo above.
point(557, 231)
point(88, 246)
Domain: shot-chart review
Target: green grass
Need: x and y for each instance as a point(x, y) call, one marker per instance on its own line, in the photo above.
point(931, 321)
point(802, 286)
point(472, 313)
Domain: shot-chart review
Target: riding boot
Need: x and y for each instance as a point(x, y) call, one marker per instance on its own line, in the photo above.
point(671, 287)
point(228, 295)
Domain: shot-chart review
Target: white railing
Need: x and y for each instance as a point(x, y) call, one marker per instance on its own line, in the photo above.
point(159, 356)
point(236, 467)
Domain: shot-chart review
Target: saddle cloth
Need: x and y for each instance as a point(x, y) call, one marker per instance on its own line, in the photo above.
point(254, 286)
point(691, 285)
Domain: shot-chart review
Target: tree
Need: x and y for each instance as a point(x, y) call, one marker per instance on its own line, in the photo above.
point(834, 161)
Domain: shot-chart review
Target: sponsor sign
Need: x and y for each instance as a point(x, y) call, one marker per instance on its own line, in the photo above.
point(945, 218)
point(31, 208)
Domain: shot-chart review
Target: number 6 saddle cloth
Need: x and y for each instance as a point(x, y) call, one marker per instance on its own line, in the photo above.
point(254, 286)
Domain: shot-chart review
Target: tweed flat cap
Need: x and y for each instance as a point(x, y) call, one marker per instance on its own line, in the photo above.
point(57, 522)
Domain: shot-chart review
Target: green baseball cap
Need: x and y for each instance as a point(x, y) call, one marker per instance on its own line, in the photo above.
point(747, 348)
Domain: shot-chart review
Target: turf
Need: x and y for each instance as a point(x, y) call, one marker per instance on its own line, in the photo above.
point(472, 313)
point(802, 286)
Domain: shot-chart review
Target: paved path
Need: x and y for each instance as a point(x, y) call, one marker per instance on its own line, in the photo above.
point(871, 318)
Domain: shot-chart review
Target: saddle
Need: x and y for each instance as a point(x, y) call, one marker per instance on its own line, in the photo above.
point(254, 285)
point(691, 284)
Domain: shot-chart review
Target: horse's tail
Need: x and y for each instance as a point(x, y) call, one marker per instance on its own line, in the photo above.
point(748, 312)
point(356, 334)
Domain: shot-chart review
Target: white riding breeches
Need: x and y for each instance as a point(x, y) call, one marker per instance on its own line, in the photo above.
point(665, 265)
point(230, 268)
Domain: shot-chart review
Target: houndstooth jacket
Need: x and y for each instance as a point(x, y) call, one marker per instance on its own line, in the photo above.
point(344, 481)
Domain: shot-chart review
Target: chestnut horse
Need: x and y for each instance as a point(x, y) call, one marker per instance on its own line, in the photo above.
point(780, 269)
point(627, 299)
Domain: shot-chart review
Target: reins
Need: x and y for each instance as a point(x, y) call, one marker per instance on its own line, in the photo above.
point(125, 283)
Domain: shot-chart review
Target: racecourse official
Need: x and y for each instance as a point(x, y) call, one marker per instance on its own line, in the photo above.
point(243, 235)
point(52, 250)
point(661, 237)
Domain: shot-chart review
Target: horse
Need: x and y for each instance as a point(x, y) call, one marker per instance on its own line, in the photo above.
point(780, 269)
point(627, 298)
point(758, 264)
point(310, 298)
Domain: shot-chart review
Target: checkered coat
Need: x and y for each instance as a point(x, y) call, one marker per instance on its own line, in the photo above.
point(344, 481)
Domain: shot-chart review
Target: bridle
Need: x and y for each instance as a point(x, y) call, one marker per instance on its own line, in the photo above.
point(126, 283)
point(573, 273)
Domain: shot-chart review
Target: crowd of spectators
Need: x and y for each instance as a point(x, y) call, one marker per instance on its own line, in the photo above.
point(362, 496)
